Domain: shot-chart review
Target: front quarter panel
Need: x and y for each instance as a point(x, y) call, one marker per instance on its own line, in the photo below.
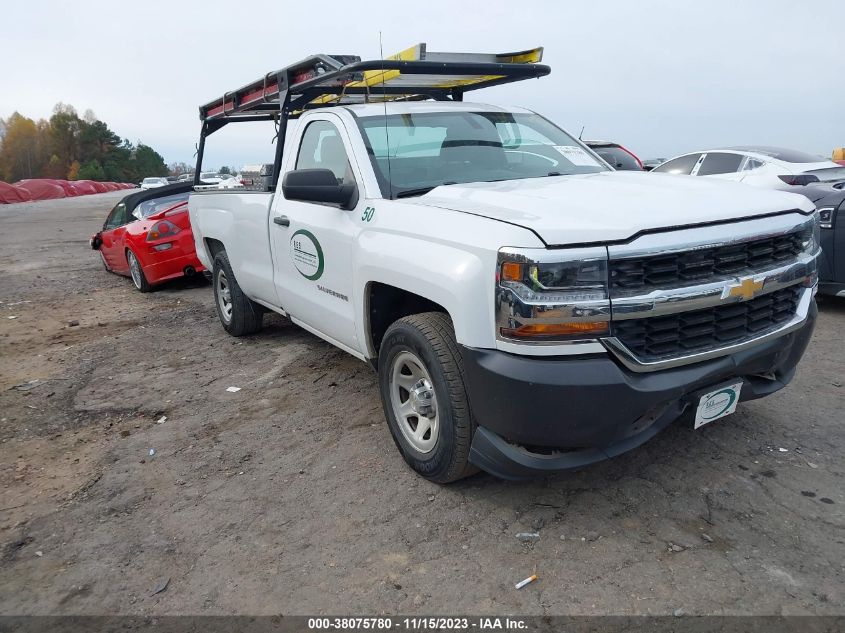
point(444, 256)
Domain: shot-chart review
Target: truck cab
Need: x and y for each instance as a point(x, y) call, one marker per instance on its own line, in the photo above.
point(527, 307)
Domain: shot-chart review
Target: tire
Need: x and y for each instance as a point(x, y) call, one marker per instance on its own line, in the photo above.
point(422, 347)
point(137, 273)
point(239, 315)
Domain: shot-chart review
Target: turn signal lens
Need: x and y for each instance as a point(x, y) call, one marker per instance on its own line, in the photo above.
point(544, 330)
point(512, 271)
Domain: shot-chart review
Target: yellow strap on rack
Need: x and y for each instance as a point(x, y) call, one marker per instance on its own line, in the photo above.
point(418, 52)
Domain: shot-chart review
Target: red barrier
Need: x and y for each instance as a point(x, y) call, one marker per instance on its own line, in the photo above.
point(85, 187)
point(42, 189)
point(9, 194)
point(69, 187)
point(99, 186)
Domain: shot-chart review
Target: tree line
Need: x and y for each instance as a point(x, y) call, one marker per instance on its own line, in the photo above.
point(67, 147)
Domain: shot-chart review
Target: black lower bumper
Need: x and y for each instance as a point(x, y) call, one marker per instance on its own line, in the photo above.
point(542, 414)
point(832, 288)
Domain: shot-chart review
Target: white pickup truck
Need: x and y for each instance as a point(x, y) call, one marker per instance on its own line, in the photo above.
point(527, 308)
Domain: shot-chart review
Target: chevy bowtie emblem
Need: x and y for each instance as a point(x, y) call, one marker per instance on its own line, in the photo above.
point(746, 289)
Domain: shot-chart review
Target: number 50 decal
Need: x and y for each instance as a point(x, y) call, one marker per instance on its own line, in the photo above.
point(368, 214)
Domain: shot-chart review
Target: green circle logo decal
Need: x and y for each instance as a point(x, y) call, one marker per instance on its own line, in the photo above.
point(307, 255)
point(718, 403)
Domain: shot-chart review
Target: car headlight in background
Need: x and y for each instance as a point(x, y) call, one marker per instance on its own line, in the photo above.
point(547, 296)
point(826, 217)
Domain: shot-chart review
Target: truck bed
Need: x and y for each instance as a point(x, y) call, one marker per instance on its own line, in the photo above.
point(222, 215)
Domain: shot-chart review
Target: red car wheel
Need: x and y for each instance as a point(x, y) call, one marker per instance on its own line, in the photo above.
point(137, 273)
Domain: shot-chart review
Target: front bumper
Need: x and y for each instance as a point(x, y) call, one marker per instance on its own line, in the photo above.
point(544, 414)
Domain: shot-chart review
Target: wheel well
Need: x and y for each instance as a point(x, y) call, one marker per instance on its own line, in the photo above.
point(387, 304)
point(213, 246)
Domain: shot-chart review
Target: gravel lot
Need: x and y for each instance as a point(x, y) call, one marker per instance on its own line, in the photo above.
point(290, 497)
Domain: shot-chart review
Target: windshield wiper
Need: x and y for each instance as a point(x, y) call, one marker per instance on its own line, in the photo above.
point(421, 191)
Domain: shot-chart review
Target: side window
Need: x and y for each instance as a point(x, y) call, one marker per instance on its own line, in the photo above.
point(117, 217)
point(322, 148)
point(720, 163)
point(680, 165)
point(752, 163)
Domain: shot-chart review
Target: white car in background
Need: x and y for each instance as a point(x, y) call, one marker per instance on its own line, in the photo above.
point(227, 181)
point(210, 178)
point(152, 183)
point(768, 167)
point(213, 180)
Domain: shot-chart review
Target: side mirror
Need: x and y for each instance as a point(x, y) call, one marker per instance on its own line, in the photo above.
point(318, 185)
point(96, 242)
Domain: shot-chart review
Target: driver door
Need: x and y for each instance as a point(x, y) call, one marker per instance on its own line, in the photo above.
point(114, 239)
point(313, 243)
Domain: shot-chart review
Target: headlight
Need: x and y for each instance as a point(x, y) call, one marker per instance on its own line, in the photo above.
point(552, 295)
point(810, 233)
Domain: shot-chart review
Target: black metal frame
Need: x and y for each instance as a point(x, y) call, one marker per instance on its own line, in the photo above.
point(283, 100)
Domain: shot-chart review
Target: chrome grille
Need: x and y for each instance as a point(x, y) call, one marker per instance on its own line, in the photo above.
point(642, 274)
point(685, 296)
point(656, 338)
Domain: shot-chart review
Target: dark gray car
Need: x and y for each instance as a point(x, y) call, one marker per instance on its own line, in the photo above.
point(830, 202)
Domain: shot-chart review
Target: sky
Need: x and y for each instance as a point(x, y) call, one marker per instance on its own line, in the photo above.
point(658, 76)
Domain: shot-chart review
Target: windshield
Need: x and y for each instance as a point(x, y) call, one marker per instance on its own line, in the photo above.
point(150, 207)
point(431, 149)
point(617, 157)
point(209, 176)
point(151, 181)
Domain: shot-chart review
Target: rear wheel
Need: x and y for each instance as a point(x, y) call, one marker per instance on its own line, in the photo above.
point(137, 273)
point(421, 380)
point(238, 314)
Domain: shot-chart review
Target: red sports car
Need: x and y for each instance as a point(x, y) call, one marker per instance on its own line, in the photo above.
point(148, 237)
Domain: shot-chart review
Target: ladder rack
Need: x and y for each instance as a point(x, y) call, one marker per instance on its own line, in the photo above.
point(330, 80)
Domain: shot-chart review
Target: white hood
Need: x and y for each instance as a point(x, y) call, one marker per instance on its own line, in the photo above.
point(609, 206)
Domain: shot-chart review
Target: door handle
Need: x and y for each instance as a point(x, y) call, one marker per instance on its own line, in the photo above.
point(281, 220)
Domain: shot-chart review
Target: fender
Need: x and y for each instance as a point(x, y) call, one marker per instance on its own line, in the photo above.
point(453, 277)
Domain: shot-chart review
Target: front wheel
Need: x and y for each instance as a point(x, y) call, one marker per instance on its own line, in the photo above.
point(137, 273)
point(421, 381)
point(238, 313)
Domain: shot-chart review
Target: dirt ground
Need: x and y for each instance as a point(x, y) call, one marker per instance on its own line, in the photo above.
point(290, 497)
